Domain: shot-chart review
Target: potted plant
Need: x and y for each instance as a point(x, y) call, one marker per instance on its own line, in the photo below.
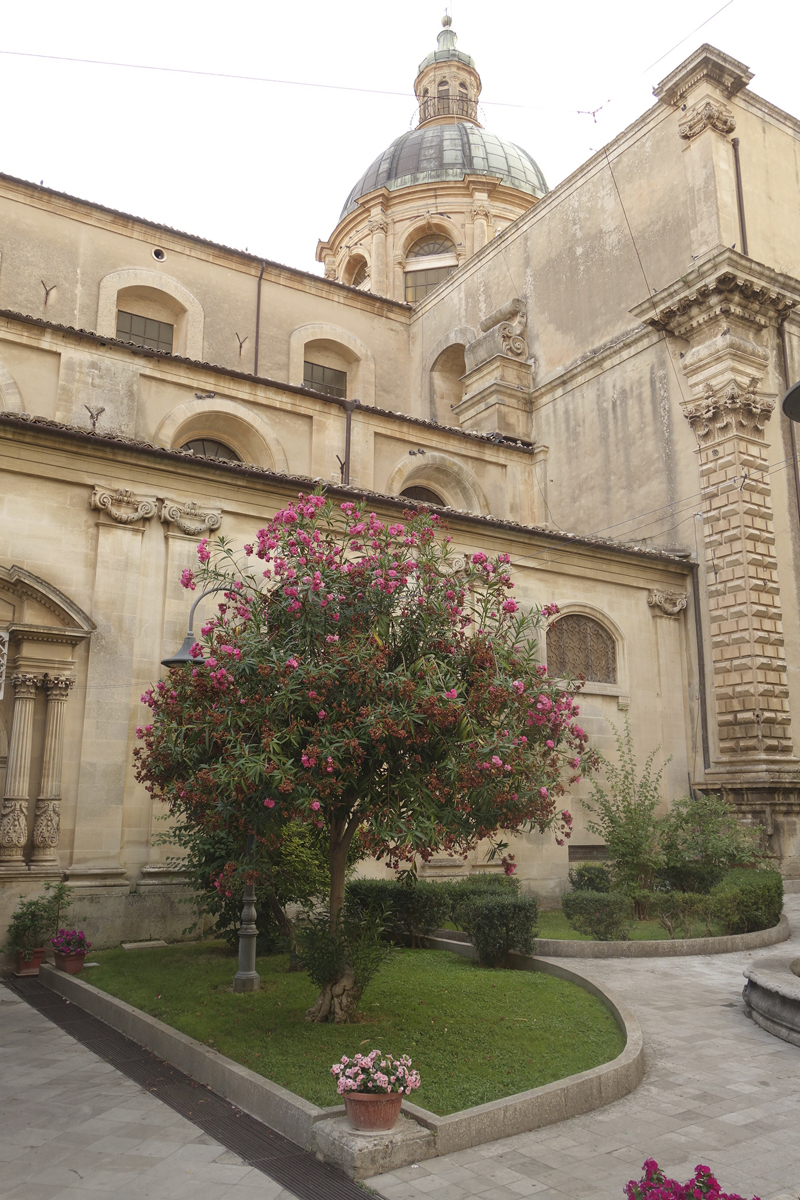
point(372, 1087)
point(69, 947)
point(31, 924)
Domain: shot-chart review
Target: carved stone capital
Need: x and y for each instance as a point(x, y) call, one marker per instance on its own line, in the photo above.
point(668, 602)
point(379, 224)
point(729, 411)
point(58, 687)
point(123, 506)
point(25, 685)
point(481, 210)
point(707, 114)
point(47, 824)
point(330, 272)
point(189, 517)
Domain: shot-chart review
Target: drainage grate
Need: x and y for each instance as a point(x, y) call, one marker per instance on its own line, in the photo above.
point(261, 1147)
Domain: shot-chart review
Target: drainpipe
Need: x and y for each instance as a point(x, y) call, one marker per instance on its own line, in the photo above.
point(701, 663)
point(739, 194)
point(792, 427)
point(258, 318)
point(348, 406)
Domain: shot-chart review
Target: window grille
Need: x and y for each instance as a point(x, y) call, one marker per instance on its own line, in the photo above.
point(431, 244)
point(325, 379)
point(578, 645)
point(420, 283)
point(209, 448)
point(422, 493)
point(143, 331)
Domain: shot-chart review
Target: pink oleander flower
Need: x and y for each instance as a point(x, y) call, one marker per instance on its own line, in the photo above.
point(269, 802)
point(203, 552)
point(187, 579)
point(451, 695)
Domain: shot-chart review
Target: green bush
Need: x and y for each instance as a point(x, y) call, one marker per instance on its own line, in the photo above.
point(602, 915)
point(498, 920)
point(463, 891)
point(701, 838)
point(356, 943)
point(413, 910)
point(34, 920)
point(749, 900)
point(679, 910)
point(590, 877)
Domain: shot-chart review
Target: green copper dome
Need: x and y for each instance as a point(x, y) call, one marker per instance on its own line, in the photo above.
point(448, 151)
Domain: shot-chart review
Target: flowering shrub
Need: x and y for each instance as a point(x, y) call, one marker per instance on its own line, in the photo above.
point(375, 1073)
point(359, 679)
point(654, 1185)
point(70, 941)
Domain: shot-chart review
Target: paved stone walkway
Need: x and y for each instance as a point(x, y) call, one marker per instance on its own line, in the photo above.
point(718, 1090)
point(72, 1127)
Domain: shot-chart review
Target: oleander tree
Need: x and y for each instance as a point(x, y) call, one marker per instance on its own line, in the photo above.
point(361, 676)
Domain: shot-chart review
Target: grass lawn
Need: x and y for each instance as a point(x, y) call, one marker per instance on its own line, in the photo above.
point(475, 1035)
point(553, 924)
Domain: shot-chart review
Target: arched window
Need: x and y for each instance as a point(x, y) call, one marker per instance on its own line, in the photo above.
point(579, 645)
point(209, 448)
point(438, 254)
point(360, 274)
point(422, 493)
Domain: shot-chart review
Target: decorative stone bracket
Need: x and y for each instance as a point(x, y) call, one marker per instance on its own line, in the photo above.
point(671, 604)
point(707, 114)
point(122, 505)
point(3, 660)
point(189, 517)
point(499, 377)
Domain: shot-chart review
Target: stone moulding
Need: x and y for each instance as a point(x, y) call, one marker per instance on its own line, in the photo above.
point(444, 939)
point(423, 1134)
point(772, 995)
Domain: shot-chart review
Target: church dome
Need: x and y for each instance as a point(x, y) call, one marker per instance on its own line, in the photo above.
point(436, 152)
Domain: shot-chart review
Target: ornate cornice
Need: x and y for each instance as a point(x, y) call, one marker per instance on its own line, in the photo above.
point(707, 63)
point(728, 411)
point(122, 505)
point(189, 517)
point(723, 283)
point(707, 114)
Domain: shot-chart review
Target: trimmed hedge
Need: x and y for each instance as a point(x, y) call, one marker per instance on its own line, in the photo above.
point(412, 910)
point(498, 921)
point(590, 877)
point(605, 916)
point(749, 900)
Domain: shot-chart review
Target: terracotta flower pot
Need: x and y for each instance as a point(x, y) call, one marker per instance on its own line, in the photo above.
point(30, 966)
point(372, 1112)
point(71, 963)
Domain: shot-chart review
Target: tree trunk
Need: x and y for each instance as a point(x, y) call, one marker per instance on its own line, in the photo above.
point(337, 1002)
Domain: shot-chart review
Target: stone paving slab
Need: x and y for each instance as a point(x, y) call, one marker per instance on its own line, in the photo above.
point(717, 1090)
point(73, 1128)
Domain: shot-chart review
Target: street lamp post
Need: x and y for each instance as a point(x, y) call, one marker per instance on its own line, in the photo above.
point(246, 978)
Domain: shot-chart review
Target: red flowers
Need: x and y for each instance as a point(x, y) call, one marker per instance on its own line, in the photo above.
point(654, 1185)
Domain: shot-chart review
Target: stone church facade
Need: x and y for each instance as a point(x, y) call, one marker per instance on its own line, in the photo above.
point(585, 377)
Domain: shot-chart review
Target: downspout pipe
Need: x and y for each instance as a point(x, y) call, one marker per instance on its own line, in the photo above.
point(792, 424)
point(739, 195)
point(258, 319)
point(701, 664)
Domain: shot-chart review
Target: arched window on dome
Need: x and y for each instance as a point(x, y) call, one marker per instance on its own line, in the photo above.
point(579, 645)
point(210, 448)
point(428, 261)
point(356, 272)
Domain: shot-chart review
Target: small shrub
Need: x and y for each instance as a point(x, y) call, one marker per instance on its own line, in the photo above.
point(749, 900)
point(590, 877)
point(701, 838)
point(605, 916)
point(355, 946)
point(498, 921)
point(464, 891)
point(678, 910)
point(413, 910)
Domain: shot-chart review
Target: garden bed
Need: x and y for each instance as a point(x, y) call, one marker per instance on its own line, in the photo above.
point(429, 1005)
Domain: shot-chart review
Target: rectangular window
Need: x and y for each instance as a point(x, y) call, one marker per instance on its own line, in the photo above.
point(325, 379)
point(144, 331)
point(419, 283)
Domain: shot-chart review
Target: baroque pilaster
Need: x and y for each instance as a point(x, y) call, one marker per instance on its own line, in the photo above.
point(14, 812)
point(727, 310)
point(47, 821)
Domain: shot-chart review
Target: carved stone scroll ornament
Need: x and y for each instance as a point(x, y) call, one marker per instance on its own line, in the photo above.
point(3, 660)
point(670, 603)
point(123, 506)
point(512, 334)
point(47, 820)
point(189, 517)
point(14, 813)
point(707, 114)
point(378, 224)
point(728, 411)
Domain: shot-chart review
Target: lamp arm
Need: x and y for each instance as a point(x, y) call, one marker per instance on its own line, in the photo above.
point(222, 588)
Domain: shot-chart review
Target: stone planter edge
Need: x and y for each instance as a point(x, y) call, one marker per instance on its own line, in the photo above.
point(296, 1118)
point(668, 948)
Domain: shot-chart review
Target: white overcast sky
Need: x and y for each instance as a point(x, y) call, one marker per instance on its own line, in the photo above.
point(265, 166)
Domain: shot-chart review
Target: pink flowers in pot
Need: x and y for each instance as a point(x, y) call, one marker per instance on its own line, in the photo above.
point(375, 1073)
point(70, 941)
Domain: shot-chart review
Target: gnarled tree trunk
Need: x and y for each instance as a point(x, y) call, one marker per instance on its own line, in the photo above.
point(337, 1002)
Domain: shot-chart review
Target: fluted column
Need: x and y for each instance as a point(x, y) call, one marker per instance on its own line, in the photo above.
point(47, 821)
point(14, 813)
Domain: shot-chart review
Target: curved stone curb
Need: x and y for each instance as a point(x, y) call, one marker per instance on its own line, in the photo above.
point(668, 948)
point(298, 1119)
point(772, 996)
